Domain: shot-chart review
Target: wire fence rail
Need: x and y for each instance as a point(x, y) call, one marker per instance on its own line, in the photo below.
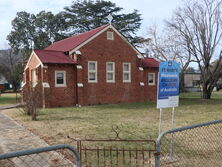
point(199, 145)
point(51, 156)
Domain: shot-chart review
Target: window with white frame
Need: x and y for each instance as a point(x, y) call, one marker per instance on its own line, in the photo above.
point(60, 78)
point(110, 72)
point(126, 72)
point(92, 71)
point(151, 78)
point(110, 35)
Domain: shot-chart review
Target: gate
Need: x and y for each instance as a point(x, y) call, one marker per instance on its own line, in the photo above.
point(199, 145)
point(58, 155)
point(116, 152)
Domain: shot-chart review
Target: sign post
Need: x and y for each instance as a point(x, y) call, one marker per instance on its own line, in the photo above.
point(160, 123)
point(168, 90)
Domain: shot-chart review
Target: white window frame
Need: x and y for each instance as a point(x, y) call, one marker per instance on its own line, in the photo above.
point(93, 71)
point(127, 72)
point(110, 35)
point(64, 79)
point(110, 72)
point(154, 78)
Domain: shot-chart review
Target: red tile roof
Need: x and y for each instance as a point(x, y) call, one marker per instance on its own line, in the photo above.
point(56, 57)
point(74, 41)
point(150, 62)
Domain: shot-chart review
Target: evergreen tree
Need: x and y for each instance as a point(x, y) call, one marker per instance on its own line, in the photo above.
point(44, 28)
point(84, 15)
point(40, 29)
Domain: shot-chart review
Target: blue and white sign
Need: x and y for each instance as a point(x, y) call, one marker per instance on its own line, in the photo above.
point(168, 84)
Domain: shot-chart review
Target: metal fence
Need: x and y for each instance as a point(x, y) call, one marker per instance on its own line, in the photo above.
point(52, 156)
point(198, 145)
point(101, 153)
point(116, 151)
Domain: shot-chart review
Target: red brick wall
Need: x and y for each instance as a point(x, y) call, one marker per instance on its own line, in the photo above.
point(54, 96)
point(60, 96)
point(102, 50)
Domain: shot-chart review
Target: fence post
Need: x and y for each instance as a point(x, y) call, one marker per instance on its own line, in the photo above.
point(158, 150)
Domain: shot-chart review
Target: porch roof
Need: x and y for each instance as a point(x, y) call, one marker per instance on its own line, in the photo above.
point(150, 62)
point(53, 57)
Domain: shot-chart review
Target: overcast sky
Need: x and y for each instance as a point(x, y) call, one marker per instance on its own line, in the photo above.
point(153, 11)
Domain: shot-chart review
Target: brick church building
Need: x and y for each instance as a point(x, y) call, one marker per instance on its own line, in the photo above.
point(96, 67)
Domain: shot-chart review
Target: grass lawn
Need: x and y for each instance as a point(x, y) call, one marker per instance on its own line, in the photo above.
point(7, 98)
point(138, 120)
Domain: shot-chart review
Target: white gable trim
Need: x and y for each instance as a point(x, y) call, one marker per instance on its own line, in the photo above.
point(33, 54)
point(100, 32)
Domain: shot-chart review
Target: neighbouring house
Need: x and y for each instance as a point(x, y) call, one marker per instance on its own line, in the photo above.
point(96, 67)
point(192, 81)
point(3, 83)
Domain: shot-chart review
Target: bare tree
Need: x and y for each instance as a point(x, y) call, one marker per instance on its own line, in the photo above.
point(193, 34)
point(167, 45)
point(11, 67)
point(31, 102)
point(199, 25)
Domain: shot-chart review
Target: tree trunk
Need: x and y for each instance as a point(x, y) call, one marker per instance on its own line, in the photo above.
point(182, 82)
point(207, 92)
point(14, 88)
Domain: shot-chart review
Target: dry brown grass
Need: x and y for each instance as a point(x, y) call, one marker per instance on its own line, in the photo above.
point(139, 119)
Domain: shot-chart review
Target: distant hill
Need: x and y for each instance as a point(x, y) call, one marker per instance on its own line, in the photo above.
point(4, 52)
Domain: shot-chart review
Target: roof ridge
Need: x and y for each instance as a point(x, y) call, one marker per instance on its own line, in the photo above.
point(76, 36)
point(48, 50)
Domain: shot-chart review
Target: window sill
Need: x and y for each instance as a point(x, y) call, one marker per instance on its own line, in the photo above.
point(126, 81)
point(110, 81)
point(92, 82)
point(60, 86)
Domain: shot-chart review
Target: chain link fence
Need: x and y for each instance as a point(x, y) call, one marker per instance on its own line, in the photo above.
point(52, 156)
point(199, 145)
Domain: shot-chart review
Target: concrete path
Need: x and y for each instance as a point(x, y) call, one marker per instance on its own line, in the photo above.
point(9, 106)
point(14, 137)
